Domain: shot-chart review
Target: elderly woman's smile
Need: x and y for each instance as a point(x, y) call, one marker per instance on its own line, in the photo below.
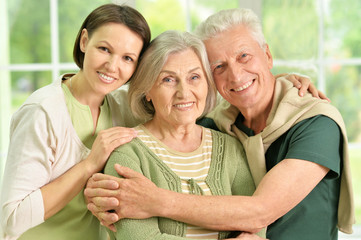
point(180, 91)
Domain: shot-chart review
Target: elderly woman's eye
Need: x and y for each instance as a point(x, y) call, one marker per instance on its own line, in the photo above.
point(167, 79)
point(195, 77)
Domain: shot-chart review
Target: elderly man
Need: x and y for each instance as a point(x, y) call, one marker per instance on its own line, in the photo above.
point(296, 149)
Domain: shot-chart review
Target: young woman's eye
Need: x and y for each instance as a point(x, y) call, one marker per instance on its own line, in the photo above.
point(129, 59)
point(104, 49)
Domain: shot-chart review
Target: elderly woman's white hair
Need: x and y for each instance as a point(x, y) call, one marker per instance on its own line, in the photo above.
point(151, 64)
point(226, 19)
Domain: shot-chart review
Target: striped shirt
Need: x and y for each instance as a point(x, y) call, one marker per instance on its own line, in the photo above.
point(191, 167)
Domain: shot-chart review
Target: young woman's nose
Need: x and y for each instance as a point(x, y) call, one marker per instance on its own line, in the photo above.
point(112, 64)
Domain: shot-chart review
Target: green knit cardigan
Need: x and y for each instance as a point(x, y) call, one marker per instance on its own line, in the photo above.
point(229, 174)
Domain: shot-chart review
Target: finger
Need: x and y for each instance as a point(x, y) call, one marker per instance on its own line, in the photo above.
point(302, 90)
point(118, 132)
point(106, 218)
point(122, 130)
point(101, 176)
point(127, 172)
point(108, 136)
point(323, 96)
point(116, 142)
point(110, 184)
point(99, 192)
point(105, 203)
point(111, 227)
point(295, 81)
point(104, 206)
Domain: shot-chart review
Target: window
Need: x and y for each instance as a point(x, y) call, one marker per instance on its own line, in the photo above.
point(312, 37)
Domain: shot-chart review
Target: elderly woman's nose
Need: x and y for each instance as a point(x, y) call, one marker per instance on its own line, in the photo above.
point(183, 88)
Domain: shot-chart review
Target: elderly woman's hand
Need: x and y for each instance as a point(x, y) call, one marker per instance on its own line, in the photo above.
point(100, 194)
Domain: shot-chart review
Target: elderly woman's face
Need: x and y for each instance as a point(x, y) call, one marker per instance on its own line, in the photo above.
point(180, 91)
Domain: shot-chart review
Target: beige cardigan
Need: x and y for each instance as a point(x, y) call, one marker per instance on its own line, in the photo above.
point(287, 110)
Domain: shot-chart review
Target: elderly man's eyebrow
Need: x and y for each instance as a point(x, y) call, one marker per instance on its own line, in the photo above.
point(215, 62)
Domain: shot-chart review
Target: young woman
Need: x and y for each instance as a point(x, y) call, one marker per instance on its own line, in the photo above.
point(64, 132)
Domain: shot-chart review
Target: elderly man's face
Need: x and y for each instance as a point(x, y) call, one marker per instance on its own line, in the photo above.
point(241, 68)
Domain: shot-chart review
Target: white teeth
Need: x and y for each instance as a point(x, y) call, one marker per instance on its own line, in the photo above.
point(243, 87)
point(183, 105)
point(106, 77)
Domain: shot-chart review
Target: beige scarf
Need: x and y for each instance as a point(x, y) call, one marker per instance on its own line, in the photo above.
point(287, 110)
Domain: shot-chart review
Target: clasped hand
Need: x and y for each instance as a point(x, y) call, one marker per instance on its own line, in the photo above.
point(112, 198)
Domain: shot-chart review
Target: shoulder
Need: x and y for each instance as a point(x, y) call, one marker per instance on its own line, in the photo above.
point(319, 124)
point(224, 137)
point(50, 98)
point(134, 151)
point(45, 107)
point(228, 145)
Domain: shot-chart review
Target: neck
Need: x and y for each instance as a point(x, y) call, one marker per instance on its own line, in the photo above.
point(83, 93)
point(256, 118)
point(183, 138)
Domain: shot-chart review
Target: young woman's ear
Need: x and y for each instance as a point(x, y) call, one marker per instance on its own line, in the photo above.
point(84, 39)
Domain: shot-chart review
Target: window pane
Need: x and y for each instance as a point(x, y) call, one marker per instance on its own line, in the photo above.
point(201, 9)
point(342, 33)
point(163, 15)
point(71, 16)
point(310, 71)
point(291, 28)
point(355, 156)
point(343, 88)
point(24, 83)
point(29, 30)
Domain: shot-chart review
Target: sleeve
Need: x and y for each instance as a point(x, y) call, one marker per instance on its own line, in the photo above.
point(318, 140)
point(27, 169)
point(133, 228)
point(243, 183)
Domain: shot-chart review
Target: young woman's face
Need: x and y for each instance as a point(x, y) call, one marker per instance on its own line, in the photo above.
point(180, 91)
point(110, 56)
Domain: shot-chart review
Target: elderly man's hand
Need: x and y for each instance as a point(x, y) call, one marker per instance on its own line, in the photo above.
point(304, 84)
point(111, 199)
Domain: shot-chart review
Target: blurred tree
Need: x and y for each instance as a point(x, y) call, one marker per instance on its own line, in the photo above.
point(291, 28)
point(71, 16)
point(344, 82)
point(162, 15)
point(29, 39)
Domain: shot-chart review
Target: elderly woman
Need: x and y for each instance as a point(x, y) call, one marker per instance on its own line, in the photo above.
point(172, 88)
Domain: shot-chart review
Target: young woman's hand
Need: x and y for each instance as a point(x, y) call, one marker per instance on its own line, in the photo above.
point(106, 141)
